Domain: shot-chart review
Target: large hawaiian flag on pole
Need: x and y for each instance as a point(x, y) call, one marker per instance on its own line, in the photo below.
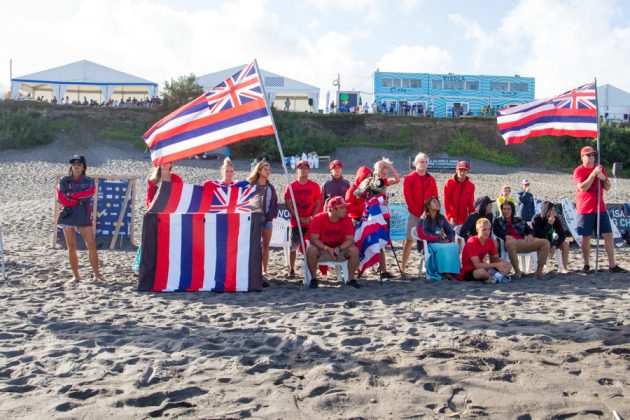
point(574, 113)
point(233, 111)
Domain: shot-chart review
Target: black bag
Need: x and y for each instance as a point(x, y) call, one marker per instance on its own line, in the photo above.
point(66, 212)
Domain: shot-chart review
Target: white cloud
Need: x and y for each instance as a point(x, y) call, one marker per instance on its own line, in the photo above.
point(313, 24)
point(404, 58)
point(561, 44)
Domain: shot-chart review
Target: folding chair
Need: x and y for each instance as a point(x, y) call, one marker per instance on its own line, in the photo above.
point(426, 253)
point(280, 237)
point(341, 269)
point(525, 259)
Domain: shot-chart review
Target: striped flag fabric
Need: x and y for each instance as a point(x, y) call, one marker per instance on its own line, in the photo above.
point(232, 111)
point(371, 234)
point(201, 238)
point(574, 113)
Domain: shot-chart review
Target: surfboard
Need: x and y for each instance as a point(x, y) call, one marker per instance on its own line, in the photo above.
point(570, 216)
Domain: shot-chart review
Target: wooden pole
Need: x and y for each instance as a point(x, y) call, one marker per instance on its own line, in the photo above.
point(121, 216)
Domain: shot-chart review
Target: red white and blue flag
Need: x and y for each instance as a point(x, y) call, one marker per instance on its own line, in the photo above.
point(371, 234)
point(198, 238)
point(234, 110)
point(574, 113)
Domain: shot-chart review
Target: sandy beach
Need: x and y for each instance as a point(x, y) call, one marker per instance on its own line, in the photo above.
point(555, 348)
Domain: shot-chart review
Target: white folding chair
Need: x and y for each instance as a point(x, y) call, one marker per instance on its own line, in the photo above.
point(426, 253)
point(341, 270)
point(280, 237)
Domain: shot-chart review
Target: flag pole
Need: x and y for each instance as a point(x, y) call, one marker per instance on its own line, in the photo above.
point(598, 185)
point(286, 174)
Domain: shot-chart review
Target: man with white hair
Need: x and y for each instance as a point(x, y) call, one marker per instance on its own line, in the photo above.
point(418, 187)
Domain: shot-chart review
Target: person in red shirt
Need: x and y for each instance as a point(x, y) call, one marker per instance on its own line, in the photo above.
point(477, 248)
point(586, 177)
point(354, 200)
point(308, 200)
point(164, 172)
point(332, 239)
point(418, 187)
point(459, 195)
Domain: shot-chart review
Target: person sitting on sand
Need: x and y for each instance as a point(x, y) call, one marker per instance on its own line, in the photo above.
point(163, 172)
point(439, 234)
point(331, 234)
point(477, 248)
point(547, 226)
point(74, 193)
point(518, 237)
point(266, 199)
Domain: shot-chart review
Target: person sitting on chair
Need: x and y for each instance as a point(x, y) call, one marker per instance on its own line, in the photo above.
point(547, 226)
point(483, 206)
point(477, 248)
point(332, 239)
point(518, 237)
point(439, 234)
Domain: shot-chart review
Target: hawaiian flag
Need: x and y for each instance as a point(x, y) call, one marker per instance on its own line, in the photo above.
point(234, 110)
point(371, 234)
point(200, 238)
point(574, 113)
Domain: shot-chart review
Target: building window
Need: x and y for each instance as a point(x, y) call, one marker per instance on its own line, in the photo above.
point(387, 82)
point(436, 84)
point(472, 85)
point(501, 86)
point(518, 87)
point(411, 83)
point(397, 83)
point(454, 84)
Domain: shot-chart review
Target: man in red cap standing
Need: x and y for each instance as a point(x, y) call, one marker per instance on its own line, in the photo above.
point(332, 239)
point(586, 177)
point(459, 195)
point(308, 200)
point(336, 186)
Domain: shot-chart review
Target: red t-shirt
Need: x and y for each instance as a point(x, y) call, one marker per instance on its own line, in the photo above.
point(330, 233)
point(511, 231)
point(586, 201)
point(474, 248)
point(305, 197)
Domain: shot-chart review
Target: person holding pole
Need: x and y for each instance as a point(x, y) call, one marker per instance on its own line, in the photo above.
point(591, 181)
point(74, 193)
point(308, 201)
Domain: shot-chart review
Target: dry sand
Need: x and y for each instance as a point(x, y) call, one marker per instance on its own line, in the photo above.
point(553, 348)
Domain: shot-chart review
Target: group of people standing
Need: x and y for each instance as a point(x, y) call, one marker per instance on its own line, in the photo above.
point(326, 216)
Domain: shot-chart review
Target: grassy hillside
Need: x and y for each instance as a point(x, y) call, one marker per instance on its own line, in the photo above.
point(28, 124)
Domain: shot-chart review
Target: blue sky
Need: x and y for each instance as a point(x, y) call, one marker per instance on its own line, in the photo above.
point(561, 43)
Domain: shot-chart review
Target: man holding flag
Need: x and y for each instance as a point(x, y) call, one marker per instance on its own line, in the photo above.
point(587, 193)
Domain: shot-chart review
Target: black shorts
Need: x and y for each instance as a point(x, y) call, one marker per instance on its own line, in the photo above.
point(469, 276)
point(587, 223)
point(295, 237)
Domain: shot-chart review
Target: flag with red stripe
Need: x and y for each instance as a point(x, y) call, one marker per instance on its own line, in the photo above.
point(371, 234)
point(574, 113)
point(232, 111)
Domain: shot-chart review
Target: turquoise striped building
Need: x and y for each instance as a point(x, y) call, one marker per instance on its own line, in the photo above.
point(448, 95)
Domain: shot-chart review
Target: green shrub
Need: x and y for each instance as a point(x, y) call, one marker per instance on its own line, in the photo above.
point(466, 144)
point(130, 135)
point(23, 130)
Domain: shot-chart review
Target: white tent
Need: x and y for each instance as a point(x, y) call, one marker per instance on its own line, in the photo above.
point(83, 78)
point(614, 103)
point(278, 88)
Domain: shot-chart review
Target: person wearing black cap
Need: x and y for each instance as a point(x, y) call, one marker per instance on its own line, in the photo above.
point(586, 177)
point(74, 193)
point(337, 185)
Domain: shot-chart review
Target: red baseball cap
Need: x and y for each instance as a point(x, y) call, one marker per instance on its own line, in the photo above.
point(462, 164)
point(334, 163)
point(587, 150)
point(303, 162)
point(335, 202)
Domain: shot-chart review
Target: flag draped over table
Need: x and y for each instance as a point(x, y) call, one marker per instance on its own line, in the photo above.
point(232, 111)
point(574, 113)
point(370, 234)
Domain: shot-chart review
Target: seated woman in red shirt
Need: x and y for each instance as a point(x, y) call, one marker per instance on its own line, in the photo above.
point(477, 248)
point(164, 172)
